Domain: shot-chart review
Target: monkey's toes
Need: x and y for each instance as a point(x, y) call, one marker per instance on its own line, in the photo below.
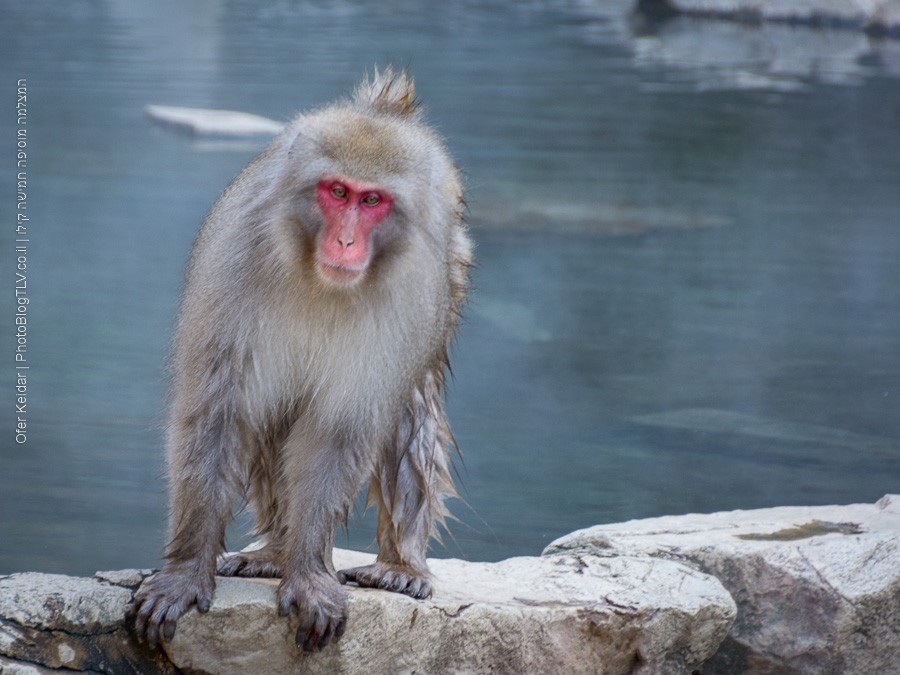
point(253, 564)
point(388, 577)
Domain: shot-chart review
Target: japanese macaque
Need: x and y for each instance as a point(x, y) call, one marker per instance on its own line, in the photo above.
point(310, 355)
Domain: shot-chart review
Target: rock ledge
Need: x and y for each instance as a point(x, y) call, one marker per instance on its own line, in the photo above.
point(579, 613)
point(817, 589)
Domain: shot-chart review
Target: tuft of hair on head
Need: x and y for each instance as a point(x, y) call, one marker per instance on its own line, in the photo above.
point(388, 92)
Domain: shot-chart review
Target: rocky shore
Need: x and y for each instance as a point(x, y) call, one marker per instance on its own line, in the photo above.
point(787, 590)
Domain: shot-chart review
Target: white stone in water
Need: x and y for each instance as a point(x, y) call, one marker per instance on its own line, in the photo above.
point(210, 122)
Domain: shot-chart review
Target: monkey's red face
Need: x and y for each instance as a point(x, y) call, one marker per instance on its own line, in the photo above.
point(352, 213)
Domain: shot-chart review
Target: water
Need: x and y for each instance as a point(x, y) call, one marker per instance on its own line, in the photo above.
point(688, 292)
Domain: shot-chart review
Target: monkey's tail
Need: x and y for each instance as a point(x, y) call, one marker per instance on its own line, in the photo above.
point(388, 92)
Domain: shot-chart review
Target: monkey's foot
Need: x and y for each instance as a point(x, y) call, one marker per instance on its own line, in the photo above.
point(261, 563)
point(390, 577)
point(167, 595)
point(321, 604)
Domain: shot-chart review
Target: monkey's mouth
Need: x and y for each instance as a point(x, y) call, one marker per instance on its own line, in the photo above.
point(339, 273)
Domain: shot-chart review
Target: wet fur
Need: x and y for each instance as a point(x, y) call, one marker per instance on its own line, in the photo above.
point(291, 392)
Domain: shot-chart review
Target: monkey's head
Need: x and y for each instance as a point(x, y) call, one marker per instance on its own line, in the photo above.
point(352, 211)
point(370, 181)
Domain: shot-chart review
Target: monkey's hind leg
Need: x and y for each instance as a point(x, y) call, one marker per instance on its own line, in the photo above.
point(410, 487)
point(262, 558)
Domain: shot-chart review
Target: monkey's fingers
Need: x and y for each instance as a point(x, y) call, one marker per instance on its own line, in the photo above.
point(334, 629)
point(325, 627)
point(285, 603)
point(321, 605)
point(313, 637)
point(163, 599)
point(154, 621)
point(168, 622)
point(340, 628)
point(143, 608)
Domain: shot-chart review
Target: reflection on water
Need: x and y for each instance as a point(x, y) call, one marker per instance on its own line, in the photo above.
point(727, 422)
point(687, 298)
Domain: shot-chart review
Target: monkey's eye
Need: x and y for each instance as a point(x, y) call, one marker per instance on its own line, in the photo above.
point(339, 192)
point(371, 200)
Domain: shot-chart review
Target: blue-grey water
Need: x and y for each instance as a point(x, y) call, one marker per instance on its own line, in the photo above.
point(688, 237)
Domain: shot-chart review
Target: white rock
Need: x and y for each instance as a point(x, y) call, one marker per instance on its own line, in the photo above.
point(207, 122)
point(818, 588)
point(570, 613)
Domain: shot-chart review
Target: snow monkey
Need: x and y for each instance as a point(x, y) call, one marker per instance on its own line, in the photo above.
point(310, 353)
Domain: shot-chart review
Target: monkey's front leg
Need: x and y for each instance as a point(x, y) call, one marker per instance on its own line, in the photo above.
point(409, 487)
point(321, 479)
point(203, 484)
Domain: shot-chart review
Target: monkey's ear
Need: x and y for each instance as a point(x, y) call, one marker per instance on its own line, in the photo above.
point(388, 93)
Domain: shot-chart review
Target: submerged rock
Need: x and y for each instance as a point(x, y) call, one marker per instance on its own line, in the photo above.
point(817, 588)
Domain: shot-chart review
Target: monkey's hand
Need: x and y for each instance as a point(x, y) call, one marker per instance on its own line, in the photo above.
point(321, 603)
point(167, 595)
point(390, 577)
